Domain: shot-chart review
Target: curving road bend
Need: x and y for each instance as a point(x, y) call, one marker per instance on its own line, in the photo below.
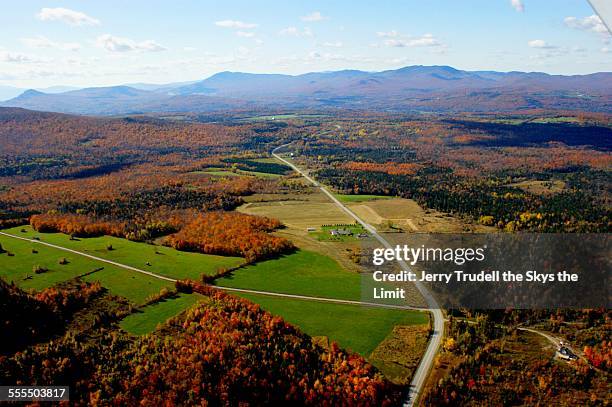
point(418, 380)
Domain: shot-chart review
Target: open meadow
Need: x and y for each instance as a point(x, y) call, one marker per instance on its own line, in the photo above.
point(160, 260)
point(304, 273)
point(147, 319)
point(355, 327)
point(23, 258)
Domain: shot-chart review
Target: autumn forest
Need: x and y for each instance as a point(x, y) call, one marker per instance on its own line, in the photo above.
point(184, 184)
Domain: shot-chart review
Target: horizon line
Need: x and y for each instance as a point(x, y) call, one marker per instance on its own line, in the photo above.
point(130, 84)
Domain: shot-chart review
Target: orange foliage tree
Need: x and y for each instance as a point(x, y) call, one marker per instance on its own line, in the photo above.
point(231, 233)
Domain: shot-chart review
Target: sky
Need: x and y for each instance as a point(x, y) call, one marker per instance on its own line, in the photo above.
point(102, 43)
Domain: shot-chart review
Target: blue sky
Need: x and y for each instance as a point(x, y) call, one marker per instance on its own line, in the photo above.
point(97, 43)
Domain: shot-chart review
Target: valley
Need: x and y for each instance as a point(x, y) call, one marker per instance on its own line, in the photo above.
point(223, 223)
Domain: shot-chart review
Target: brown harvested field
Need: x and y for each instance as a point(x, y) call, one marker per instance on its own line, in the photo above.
point(301, 211)
point(407, 215)
point(298, 211)
point(398, 355)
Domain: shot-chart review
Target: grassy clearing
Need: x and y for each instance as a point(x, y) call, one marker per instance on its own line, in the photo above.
point(353, 327)
point(161, 260)
point(398, 355)
point(148, 318)
point(269, 160)
point(540, 187)
point(359, 198)
point(222, 172)
point(134, 286)
point(259, 174)
point(303, 272)
point(218, 172)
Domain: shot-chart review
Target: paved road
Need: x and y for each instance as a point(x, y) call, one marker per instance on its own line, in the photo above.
point(229, 289)
point(418, 380)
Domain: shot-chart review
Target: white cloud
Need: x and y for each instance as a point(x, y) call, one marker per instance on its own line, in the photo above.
point(590, 23)
point(394, 40)
point(149, 45)
point(540, 44)
point(606, 50)
point(118, 44)
point(427, 40)
point(313, 17)
point(72, 17)
point(15, 57)
point(245, 34)
point(336, 44)
point(546, 51)
point(518, 5)
point(388, 34)
point(295, 32)
point(235, 24)
point(43, 42)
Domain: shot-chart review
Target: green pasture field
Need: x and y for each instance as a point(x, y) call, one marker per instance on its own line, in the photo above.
point(359, 198)
point(353, 327)
point(18, 268)
point(134, 286)
point(269, 160)
point(148, 318)
point(161, 260)
point(303, 272)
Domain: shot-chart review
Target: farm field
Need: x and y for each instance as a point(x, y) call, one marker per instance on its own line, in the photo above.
point(311, 211)
point(146, 319)
point(345, 198)
point(360, 329)
point(222, 172)
point(161, 260)
point(134, 286)
point(409, 216)
point(304, 272)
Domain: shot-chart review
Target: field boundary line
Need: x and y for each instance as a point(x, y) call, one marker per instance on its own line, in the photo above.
point(114, 263)
point(229, 289)
point(321, 299)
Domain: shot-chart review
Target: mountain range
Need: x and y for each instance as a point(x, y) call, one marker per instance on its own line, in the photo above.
point(421, 88)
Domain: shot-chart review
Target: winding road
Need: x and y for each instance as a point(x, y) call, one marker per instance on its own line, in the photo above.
point(418, 380)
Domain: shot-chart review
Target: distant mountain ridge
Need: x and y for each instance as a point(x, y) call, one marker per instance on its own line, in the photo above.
point(425, 88)
point(9, 92)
